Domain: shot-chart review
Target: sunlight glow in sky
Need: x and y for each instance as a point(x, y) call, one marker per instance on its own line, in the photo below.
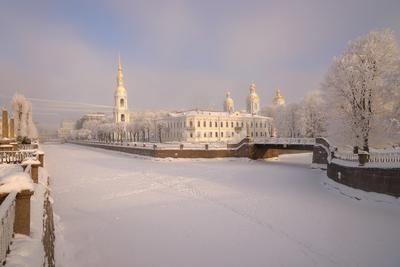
point(176, 54)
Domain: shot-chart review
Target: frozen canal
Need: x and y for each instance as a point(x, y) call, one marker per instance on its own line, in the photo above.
point(120, 210)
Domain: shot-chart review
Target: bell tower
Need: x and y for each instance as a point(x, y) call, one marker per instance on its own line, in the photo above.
point(121, 112)
point(253, 100)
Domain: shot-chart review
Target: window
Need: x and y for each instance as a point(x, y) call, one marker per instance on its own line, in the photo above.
point(216, 134)
point(222, 134)
point(191, 123)
point(205, 134)
point(210, 134)
point(122, 117)
point(232, 124)
point(204, 124)
point(198, 123)
point(210, 123)
point(216, 124)
point(237, 124)
point(121, 102)
point(251, 134)
point(256, 134)
point(251, 124)
point(242, 123)
point(256, 124)
point(222, 124)
point(227, 125)
point(233, 134)
point(191, 135)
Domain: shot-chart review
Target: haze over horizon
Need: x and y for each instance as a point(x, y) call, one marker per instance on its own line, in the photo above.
point(175, 55)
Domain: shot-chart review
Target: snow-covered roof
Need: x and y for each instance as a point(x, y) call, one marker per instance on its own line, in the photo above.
point(197, 112)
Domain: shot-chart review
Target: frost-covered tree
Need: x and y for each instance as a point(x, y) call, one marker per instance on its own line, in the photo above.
point(120, 130)
point(289, 121)
point(360, 85)
point(161, 127)
point(313, 113)
point(22, 113)
point(93, 127)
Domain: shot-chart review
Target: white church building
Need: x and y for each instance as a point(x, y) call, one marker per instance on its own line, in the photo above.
point(218, 126)
point(200, 125)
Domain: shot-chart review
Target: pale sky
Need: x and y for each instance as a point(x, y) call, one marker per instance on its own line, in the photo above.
point(176, 54)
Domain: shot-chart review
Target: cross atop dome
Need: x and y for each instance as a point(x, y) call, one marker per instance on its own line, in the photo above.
point(279, 100)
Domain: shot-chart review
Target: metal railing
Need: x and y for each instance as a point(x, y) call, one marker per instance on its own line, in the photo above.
point(7, 216)
point(285, 141)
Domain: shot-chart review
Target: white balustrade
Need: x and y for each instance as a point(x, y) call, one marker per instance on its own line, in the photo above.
point(7, 215)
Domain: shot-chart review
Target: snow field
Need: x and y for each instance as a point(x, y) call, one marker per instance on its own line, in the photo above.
point(122, 210)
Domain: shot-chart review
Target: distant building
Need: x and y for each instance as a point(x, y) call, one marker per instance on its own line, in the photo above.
point(65, 129)
point(214, 126)
point(217, 126)
point(278, 100)
point(96, 116)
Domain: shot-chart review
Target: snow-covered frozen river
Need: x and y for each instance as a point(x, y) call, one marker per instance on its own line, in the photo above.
point(121, 210)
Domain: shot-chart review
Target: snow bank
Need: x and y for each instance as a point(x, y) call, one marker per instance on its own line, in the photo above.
point(357, 194)
point(16, 181)
point(28, 250)
point(30, 161)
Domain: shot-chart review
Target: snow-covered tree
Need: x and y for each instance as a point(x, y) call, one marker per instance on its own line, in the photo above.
point(313, 113)
point(120, 129)
point(359, 87)
point(161, 127)
point(22, 113)
point(288, 120)
point(93, 127)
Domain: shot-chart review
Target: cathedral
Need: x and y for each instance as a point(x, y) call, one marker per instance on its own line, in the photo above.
point(218, 126)
point(197, 125)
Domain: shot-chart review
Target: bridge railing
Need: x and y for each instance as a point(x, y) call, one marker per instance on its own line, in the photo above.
point(285, 141)
point(7, 217)
point(348, 156)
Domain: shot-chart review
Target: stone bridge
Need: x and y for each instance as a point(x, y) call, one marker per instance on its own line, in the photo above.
point(272, 147)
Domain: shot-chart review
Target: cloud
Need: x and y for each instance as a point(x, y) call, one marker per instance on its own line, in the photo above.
point(176, 54)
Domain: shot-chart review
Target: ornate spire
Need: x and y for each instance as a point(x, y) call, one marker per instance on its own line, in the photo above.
point(120, 76)
point(279, 100)
point(229, 103)
point(252, 87)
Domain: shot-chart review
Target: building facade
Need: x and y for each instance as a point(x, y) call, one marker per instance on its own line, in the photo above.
point(65, 129)
point(213, 126)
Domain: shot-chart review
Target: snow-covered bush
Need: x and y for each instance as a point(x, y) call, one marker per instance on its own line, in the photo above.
point(23, 122)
